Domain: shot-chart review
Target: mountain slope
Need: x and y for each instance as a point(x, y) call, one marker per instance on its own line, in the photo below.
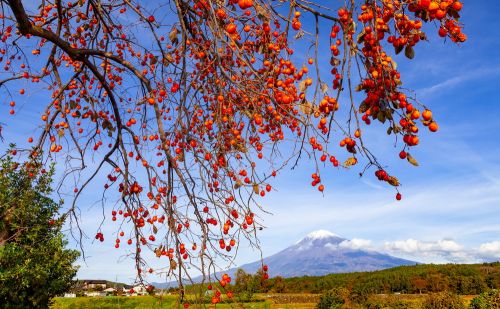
point(321, 253)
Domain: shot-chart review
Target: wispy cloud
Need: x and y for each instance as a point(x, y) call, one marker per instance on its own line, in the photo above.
point(490, 250)
point(446, 250)
point(460, 78)
point(356, 244)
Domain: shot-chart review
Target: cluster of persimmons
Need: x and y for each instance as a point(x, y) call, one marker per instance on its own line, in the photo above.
point(187, 107)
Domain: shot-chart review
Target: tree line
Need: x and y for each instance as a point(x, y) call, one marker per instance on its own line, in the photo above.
point(463, 279)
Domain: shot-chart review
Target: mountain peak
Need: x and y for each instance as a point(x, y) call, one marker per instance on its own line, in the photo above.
point(320, 234)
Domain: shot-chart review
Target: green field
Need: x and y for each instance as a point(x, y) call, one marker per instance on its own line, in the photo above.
point(283, 301)
point(141, 302)
point(266, 301)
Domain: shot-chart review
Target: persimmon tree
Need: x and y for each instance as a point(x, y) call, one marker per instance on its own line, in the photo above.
point(190, 108)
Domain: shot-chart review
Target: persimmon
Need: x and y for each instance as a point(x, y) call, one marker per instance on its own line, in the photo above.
point(245, 4)
point(296, 25)
point(427, 115)
point(231, 28)
point(457, 6)
point(433, 6)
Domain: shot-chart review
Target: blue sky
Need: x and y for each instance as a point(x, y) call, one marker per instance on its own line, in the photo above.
point(450, 210)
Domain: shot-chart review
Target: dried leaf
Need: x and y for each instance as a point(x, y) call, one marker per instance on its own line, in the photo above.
point(157, 253)
point(453, 13)
point(324, 88)
point(173, 35)
point(409, 52)
point(350, 161)
point(238, 184)
point(262, 13)
point(398, 49)
point(306, 107)
point(381, 116)
point(60, 132)
point(394, 64)
point(155, 229)
point(363, 107)
point(299, 34)
point(302, 86)
point(180, 157)
point(260, 49)
point(334, 62)
point(173, 264)
point(411, 160)
point(393, 181)
point(388, 114)
point(361, 37)
point(256, 188)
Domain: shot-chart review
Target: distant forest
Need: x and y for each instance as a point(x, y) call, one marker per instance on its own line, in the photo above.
point(464, 279)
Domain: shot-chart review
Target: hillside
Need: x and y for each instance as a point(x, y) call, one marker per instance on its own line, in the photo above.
point(465, 279)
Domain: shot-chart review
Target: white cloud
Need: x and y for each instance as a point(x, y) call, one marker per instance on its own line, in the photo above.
point(416, 246)
point(489, 250)
point(440, 251)
point(356, 244)
point(331, 246)
point(445, 250)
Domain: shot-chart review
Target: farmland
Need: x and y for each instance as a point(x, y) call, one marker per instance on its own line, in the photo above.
point(262, 301)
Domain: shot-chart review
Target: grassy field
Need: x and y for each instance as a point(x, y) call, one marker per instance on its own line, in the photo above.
point(143, 302)
point(265, 301)
point(281, 301)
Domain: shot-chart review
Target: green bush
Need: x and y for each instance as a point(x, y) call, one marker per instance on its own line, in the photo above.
point(385, 302)
point(333, 299)
point(443, 300)
point(487, 300)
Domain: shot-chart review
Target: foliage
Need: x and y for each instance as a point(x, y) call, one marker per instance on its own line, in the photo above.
point(245, 285)
point(333, 299)
point(186, 106)
point(487, 300)
point(387, 302)
point(443, 300)
point(279, 285)
point(465, 279)
point(34, 265)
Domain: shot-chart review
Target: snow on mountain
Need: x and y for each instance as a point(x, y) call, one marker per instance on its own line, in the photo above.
point(321, 234)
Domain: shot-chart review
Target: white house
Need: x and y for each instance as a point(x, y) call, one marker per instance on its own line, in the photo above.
point(110, 291)
point(135, 290)
point(140, 289)
point(95, 294)
point(69, 295)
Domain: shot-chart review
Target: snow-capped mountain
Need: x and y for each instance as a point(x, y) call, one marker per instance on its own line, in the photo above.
point(323, 252)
